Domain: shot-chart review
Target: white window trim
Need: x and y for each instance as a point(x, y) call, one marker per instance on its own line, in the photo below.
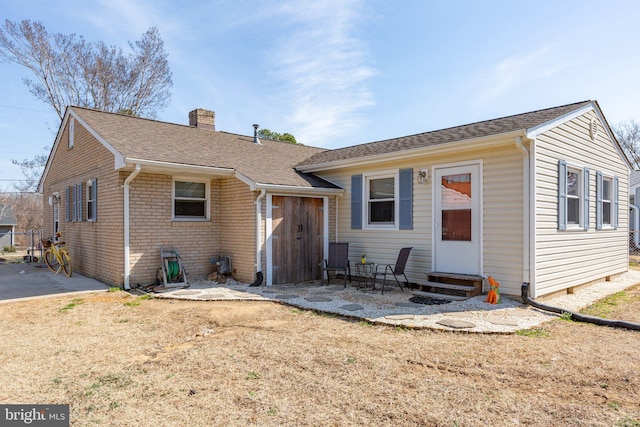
point(207, 193)
point(72, 126)
point(88, 186)
point(609, 178)
point(366, 178)
point(580, 197)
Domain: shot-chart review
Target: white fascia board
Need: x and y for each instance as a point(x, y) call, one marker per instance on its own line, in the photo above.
point(291, 189)
point(535, 131)
point(447, 147)
point(56, 142)
point(164, 167)
point(251, 183)
point(119, 159)
point(287, 189)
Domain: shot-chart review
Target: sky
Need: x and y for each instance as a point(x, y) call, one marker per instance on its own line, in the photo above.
point(343, 72)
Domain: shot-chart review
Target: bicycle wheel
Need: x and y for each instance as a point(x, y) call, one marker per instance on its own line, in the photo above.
point(66, 262)
point(51, 261)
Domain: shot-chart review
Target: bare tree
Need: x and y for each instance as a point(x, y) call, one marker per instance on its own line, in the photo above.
point(26, 209)
point(628, 135)
point(68, 70)
point(32, 170)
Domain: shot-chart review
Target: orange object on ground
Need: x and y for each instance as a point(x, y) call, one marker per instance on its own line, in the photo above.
point(493, 296)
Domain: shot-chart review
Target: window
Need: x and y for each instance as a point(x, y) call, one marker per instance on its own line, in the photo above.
point(606, 201)
point(381, 202)
point(190, 200)
point(72, 126)
point(92, 200)
point(69, 207)
point(573, 197)
point(77, 198)
point(74, 203)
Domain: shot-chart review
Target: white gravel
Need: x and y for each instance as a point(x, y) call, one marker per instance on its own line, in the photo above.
point(472, 315)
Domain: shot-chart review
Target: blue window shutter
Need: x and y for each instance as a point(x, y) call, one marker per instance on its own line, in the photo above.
point(598, 200)
point(356, 202)
point(74, 194)
point(616, 201)
point(79, 204)
point(94, 208)
point(585, 198)
point(562, 195)
point(406, 199)
point(67, 201)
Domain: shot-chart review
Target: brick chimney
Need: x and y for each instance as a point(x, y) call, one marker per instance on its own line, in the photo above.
point(202, 119)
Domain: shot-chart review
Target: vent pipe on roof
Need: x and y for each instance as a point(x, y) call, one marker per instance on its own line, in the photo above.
point(255, 134)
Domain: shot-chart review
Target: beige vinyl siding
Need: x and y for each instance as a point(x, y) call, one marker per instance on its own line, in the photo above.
point(570, 258)
point(502, 216)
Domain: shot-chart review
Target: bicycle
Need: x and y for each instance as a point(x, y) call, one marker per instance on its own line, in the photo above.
point(56, 256)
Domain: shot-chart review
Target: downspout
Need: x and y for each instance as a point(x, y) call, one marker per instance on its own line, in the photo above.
point(258, 202)
point(526, 215)
point(127, 269)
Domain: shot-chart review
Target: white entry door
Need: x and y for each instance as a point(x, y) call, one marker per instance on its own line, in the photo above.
point(457, 219)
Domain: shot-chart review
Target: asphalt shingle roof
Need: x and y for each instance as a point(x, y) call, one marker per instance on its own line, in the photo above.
point(137, 138)
point(458, 133)
point(6, 215)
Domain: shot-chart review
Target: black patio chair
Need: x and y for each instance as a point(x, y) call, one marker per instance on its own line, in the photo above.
point(396, 270)
point(338, 262)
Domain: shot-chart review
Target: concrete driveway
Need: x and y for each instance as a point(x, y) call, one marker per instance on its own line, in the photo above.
point(34, 280)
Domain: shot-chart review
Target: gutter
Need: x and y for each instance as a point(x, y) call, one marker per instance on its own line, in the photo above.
point(263, 193)
point(127, 268)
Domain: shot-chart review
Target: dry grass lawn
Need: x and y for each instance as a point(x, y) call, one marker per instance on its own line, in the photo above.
point(120, 360)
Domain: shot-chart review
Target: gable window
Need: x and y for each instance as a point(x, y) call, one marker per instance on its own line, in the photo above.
point(72, 126)
point(607, 201)
point(190, 200)
point(92, 200)
point(573, 197)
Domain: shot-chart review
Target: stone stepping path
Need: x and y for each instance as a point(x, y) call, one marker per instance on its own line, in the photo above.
point(317, 299)
point(286, 296)
point(352, 307)
point(456, 323)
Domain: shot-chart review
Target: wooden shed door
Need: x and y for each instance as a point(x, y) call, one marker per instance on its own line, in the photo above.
point(298, 238)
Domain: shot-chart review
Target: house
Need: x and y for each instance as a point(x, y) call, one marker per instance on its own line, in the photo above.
point(120, 188)
point(7, 226)
point(538, 198)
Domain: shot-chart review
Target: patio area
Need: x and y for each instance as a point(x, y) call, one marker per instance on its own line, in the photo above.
point(395, 308)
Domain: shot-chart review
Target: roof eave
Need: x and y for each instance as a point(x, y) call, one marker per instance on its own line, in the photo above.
point(478, 143)
point(291, 189)
point(156, 166)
